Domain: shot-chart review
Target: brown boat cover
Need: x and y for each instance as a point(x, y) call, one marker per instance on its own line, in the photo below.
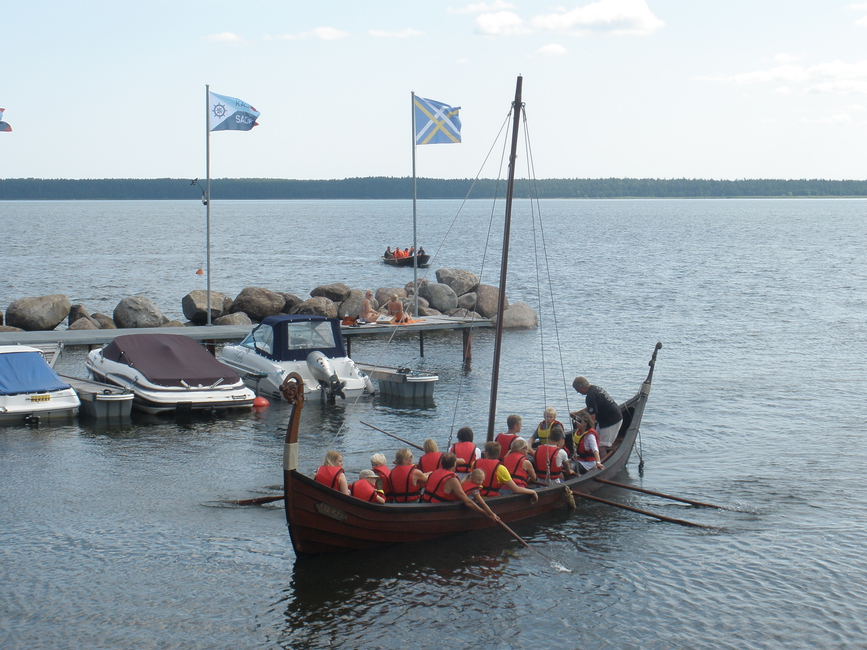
point(166, 359)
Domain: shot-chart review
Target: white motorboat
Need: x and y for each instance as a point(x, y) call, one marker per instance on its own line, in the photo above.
point(312, 346)
point(169, 372)
point(30, 391)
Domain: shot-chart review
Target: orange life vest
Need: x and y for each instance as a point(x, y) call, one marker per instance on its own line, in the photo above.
point(514, 462)
point(362, 489)
point(505, 440)
point(329, 475)
point(430, 461)
point(546, 455)
point(491, 484)
point(467, 451)
point(438, 480)
point(402, 486)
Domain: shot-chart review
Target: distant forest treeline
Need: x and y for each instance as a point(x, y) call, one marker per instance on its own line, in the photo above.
point(381, 187)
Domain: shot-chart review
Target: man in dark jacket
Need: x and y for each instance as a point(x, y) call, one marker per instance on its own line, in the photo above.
point(601, 408)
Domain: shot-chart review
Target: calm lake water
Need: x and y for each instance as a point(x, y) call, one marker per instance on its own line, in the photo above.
point(116, 537)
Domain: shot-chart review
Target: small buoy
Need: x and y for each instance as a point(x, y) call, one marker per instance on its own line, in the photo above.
point(200, 272)
point(260, 401)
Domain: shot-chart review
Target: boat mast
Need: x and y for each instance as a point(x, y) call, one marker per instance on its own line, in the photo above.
point(517, 107)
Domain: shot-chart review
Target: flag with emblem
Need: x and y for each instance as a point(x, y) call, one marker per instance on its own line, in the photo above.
point(436, 123)
point(230, 114)
point(3, 125)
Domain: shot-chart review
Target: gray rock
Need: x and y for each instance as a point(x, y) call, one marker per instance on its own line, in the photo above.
point(236, 318)
point(84, 323)
point(427, 311)
point(460, 281)
point(487, 298)
point(466, 314)
point(105, 322)
point(467, 301)
point(137, 311)
point(38, 314)
point(410, 286)
point(318, 306)
point(291, 301)
point(6, 328)
point(519, 316)
point(174, 323)
point(440, 296)
point(76, 312)
point(1, 318)
point(337, 292)
point(195, 305)
point(383, 294)
point(258, 303)
point(352, 304)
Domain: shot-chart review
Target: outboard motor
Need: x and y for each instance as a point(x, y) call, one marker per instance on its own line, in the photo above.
point(329, 383)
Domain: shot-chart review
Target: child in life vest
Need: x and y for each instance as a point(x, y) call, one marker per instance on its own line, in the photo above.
point(474, 483)
point(365, 487)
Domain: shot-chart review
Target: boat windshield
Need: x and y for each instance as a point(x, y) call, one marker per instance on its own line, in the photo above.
point(309, 335)
point(261, 338)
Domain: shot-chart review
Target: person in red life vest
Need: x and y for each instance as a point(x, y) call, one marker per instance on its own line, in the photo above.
point(331, 472)
point(519, 465)
point(474, 483)
point(540, 435)
point(443, 486)
point(514, 423)
point(365, 487)
point(497, 478)
point(551, 460)
point(466, 452)
point(432, 457)
point(586, 444)
point(383, 475)
point(406, 479)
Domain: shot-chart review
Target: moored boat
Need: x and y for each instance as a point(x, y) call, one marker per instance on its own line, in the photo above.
point(30, 391)
point(169, 372)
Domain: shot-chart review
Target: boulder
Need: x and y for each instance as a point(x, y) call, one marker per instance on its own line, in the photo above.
point(427, 311)
point(258, 303)
point(440, 296)
point(318, 306)
point(236, 318)
point(337, 292)
point(467, 301)
point(105, 322)
point(422, 302)
point(84, 323)
point(195, 305)
point(6, 328)
point(76, 312)
point(519, 316)
point(174, 323)
point(352, 304)
point(1, 318)
point(410, 286)
point(291, 301)
point(466, 314)
point(384, 294)
point(38, 314)
point(137, 311)
point(460, 281)
point(487, 298)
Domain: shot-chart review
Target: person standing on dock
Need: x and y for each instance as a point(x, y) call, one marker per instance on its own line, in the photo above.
point(603, 410)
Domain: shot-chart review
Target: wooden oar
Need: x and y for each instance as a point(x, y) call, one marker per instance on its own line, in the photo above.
point(481, 501)
point(641, 512)
point(255, 502)
point(659, 494)
point(411, 444)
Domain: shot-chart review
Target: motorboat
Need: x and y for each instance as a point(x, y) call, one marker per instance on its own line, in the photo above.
point(311, 346)
point(169, 372)
point(30, 391)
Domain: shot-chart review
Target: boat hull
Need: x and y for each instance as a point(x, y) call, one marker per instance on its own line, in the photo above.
point(31, 408)
point(423, 261)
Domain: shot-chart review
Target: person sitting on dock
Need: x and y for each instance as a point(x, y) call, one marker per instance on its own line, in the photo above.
point(474, 482)
point(586, 445)
point(366, 311)
point(514, 424)
point(331, 472)
point(365, 487)
point(551, 460)
point(540, 435)
point(444, 486)
point(519, 464)
point(497, 478)
point(467, 453)
point(432, 458)
point(395, 309)
point(603, 410)
point(406, 479)
point(383, 473)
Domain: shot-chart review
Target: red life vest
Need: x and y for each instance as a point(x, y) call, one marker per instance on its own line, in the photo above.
point(329, 475)
point(467, 451)
point(470, 488)
point(430, 461)
point(505, 440)
point(514, 462)
point(546, 455)
point(402, 486)
point(584, 452)
point(384, 474)
point(491, 484)
point(438, 480)
point(362, 489)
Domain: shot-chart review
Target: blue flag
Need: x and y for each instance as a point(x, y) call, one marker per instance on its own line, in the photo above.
point(3, 125)
point(436, 123)
point(230, 114)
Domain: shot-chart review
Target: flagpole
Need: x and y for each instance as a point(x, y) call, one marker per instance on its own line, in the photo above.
point(208, 199)
point(414, 216)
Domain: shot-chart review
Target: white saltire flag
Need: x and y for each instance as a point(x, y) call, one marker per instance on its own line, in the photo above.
point(230, 114)
point(3, 125)
point(436, 123)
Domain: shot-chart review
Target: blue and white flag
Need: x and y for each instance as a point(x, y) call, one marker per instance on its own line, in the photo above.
point(3, 125)
point(230, 114)
point(436, 123)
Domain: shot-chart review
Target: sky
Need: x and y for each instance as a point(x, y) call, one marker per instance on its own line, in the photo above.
point(722, 89)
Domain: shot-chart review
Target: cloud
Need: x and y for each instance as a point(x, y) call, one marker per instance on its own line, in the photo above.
point(482, 7)
point(832, 77)
point(404, 33)
point(225, 37)
point(553, 50)
point(860, 7)
point(501, 23)
point(616, 17)
point(324, 33)
point(831, 119)
point(785, 58)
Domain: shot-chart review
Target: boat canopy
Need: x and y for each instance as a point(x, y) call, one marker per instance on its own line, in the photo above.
point(169, 360)
point(292, 337)
point(26, 371)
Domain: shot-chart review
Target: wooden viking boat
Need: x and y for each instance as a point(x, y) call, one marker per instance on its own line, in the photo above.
point(323, 520)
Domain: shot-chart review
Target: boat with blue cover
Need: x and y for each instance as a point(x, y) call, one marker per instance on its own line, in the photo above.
point(30, 391)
